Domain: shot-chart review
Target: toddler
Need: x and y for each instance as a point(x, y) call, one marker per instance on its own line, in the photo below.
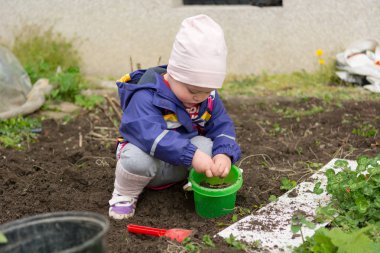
point(173, 118)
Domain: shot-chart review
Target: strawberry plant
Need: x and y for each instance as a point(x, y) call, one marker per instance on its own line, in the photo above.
point(354, 210)
point(356, 193)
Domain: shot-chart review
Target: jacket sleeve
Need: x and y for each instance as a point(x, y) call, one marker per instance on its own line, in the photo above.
point(220, 128)
point(142, 124)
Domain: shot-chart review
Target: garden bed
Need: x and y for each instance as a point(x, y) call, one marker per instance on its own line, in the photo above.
point(279, 138)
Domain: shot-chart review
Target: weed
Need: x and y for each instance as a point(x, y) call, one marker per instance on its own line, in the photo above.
point(67, 85)
point(16, 131)
point(287, 184)
point(231, 240)
point(190, 246)
point(67, 119)
point(299, 150)
point(298, 221)
point(240, 212)
point(272, 198)
point(276, 129)
point(265, 164)
point(366, 130)
point(206, 240)
point(293, 113)
point(314, 165)
point(43, 52)
point(88, 102)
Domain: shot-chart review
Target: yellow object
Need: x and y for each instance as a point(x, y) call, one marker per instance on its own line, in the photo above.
point(171, 117)
point(206, 116)
point(319, 52)
point(125, 78)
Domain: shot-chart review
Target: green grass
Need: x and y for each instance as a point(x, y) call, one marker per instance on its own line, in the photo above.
point(46, 54)
point(323, 84)
point(42, 52)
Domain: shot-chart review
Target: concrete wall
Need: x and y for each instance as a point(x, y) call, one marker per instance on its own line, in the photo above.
point(274, 39)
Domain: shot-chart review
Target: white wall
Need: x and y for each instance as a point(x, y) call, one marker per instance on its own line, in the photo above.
point(272, 39)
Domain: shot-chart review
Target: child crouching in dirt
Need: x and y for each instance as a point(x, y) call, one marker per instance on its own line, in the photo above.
point(173, 118)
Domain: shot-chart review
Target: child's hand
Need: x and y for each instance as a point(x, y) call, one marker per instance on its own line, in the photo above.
point(222, 165)
point(202, 163)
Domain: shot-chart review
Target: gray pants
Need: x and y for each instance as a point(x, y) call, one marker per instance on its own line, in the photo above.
point(137, 162)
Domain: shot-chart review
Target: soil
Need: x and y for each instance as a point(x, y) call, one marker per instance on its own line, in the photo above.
point(57, 174)
point(214, 186)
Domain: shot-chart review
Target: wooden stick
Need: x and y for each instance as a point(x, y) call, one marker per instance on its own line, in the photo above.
point(108, 116)
point(80, 139)
point(131, 62)
point(118, 113)
point(115, 102)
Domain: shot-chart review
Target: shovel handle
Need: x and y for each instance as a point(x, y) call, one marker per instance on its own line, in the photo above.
point(132, 228)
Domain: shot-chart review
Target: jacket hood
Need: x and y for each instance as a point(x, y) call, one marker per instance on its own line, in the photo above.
point(144, 79)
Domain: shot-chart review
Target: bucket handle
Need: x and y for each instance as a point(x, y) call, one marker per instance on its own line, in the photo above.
point(187, 187)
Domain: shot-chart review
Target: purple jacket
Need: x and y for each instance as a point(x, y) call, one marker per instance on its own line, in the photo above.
point(157, 122)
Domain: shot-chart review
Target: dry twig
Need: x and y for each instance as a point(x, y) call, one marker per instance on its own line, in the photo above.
point(115, 109)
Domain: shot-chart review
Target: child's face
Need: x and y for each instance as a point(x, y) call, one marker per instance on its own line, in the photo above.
point(188, 94)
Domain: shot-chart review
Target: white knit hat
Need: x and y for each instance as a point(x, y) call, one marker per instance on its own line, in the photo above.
point(199, 53)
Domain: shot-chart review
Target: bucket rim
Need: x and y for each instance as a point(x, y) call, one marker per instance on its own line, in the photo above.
point(217, 192)
point(101, 220)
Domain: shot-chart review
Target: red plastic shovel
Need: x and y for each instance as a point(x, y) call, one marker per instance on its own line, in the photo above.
point(177, 234)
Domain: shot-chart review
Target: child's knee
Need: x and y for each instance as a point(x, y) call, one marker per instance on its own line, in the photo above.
point(137, 162)
point(203, 143)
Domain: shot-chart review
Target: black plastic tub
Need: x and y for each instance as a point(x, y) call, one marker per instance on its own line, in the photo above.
point(63, 232)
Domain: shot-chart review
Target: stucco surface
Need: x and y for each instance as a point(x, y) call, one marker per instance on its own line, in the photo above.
point(275, 39)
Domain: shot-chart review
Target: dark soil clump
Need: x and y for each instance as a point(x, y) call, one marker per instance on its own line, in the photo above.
point(279, 138)
point(214, 186)
point(293, 193)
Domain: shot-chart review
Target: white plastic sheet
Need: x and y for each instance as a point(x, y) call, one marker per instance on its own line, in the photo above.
point(277, 216)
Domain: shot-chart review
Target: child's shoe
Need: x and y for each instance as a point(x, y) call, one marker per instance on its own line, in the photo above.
point(122, 207)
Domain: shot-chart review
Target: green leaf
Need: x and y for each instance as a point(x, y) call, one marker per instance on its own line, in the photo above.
point(362, 204)
point(330, 173)
point(323, 242)
point(307, 223)
point(350, 243)
point(317, 188)
point(376, 202)
point(234, 243)
point(295, 228)
point(376, 178)
point(88, 102)
point(3, 238)
point(341, 164)
point(208, 241)
point(272, 198)
point(287, 184)
point(325, 213)
point(376, 247)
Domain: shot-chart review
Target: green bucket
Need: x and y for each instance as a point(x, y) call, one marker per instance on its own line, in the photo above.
point(211, 202)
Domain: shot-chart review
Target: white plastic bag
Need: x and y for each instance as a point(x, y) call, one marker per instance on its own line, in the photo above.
point(17, 96)
point(14, 81)
point(360, 63)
